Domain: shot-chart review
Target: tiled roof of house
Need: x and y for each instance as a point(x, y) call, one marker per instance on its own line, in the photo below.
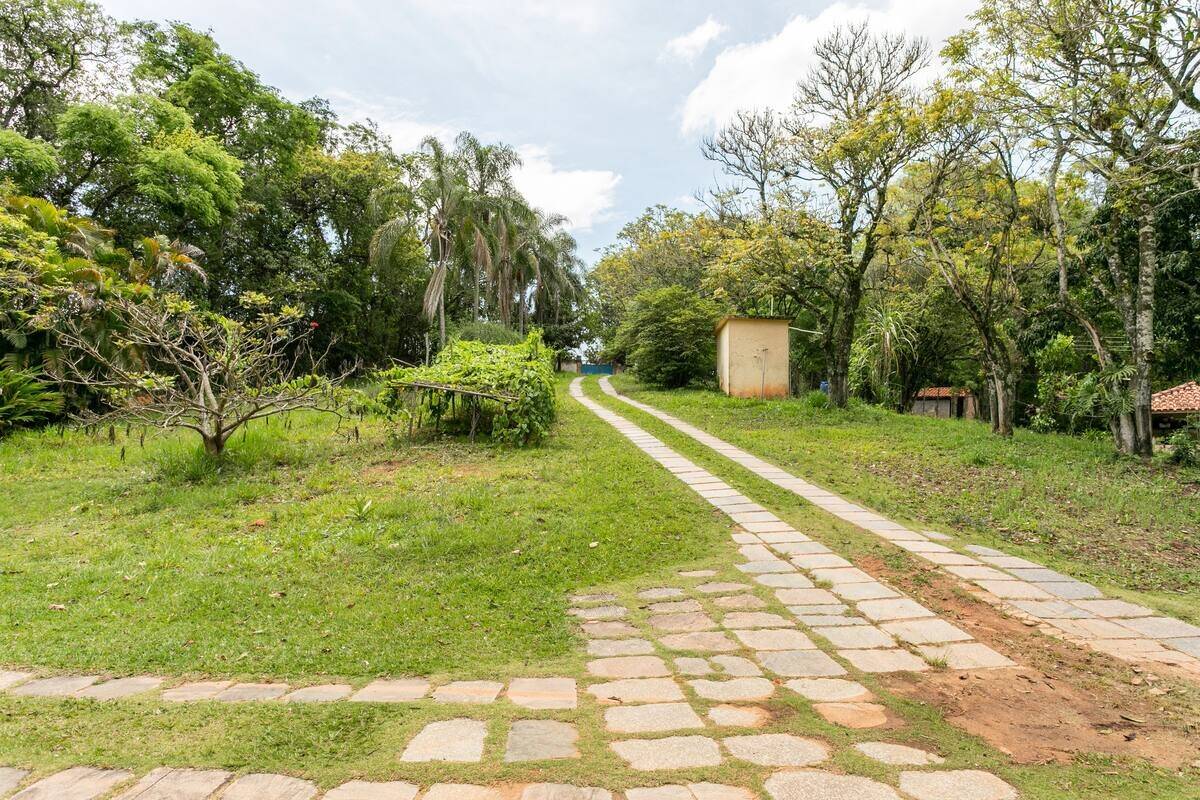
point(1184, 398)
point(935, 392)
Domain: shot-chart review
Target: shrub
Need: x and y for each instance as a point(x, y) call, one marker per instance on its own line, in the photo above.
point(24, 398)
point(1185, 444)
point(815, 400)
point(487, 332)
point(524, 372)
point(668, 337)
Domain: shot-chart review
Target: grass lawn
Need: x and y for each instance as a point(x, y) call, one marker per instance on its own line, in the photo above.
point(276, 567)
point(1063, 500)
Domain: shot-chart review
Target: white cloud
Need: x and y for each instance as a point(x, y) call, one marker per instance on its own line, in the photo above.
point(404, 127)
point(587, 16)
point(763, 74)
point(691, 44)
point(584, 196)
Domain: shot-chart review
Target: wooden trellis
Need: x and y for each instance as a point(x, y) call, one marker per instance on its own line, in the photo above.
point(470, 399)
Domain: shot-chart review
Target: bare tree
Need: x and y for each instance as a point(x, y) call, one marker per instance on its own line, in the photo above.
point(170, 366)
point(752, 149)
point(857, 120)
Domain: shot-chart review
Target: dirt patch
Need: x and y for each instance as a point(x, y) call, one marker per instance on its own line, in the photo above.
point(1063, 700)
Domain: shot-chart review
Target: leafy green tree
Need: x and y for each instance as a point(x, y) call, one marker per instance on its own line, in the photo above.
point(668, 338)
point(26, 163)
point(52, 53)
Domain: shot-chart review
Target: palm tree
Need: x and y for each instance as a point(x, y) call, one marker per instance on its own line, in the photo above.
point(488, 175)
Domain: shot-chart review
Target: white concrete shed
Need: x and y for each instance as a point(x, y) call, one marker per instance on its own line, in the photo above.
point(752, 356)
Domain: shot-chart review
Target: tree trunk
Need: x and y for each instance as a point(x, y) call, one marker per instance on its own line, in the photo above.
point(442, 320)
point(1005, 391)
point(1142, 335)
point(214, 444)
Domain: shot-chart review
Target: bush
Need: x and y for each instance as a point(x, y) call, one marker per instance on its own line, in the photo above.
point(815, 400)
point(486, 332)
point(668, 337)
point(522, 371)
point(1185, 444)
point(24, 398)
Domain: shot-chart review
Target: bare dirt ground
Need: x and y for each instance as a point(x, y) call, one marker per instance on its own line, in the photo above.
point(1062, 701)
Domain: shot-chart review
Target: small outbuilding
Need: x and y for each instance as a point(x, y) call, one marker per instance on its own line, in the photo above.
point(1170, 408)
point(946, 401)
point(752, 356)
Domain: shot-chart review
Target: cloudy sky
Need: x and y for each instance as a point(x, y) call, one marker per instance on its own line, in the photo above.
point(606, 100)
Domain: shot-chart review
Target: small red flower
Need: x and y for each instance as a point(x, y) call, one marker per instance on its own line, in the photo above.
point(313, 325)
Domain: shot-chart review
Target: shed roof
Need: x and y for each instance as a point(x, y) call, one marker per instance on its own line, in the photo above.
point(934, 392)
point(1181, 399)
point(723, 321)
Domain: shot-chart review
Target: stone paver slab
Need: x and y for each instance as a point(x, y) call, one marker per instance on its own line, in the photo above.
point(810, 597)
point(660, 593)
point(249, 692)
point(628, 667)
point(58, 686)
point(166, 783)
point(672, 752)
point(76, 783)
point(1094, 629)
point(478, 692)
point(739, 716)
point(674, 607)
point(737, 666)
point(652, 718)
point(819, 561)
point(688, 665)
point(830, 690)
point(543, 693)
point(894, 660)
point(722, 587)
point(775, 639)
point(1072, 590)
point(829, 620)
point(754, 619)
point(898, 754)
point(979, 573)
point(541, 740)
point(704, 642)
point(1051, 609)
point(459, 740)
point(1112, 608)
point(698, 573)
point(10, 678)
point(735, 690)
point(599, 613)
point(965, 655)
point(596, 597)
point(10, 778)
point(853, 715)
point(898, 608)
point(608, 630)
point(1014, 590)
point(1160, 627)
point(819, 785)
point(925, 631)
point(766, 567)
point(837, 610)
point(195, 690)
point(682, 623)
point(842, 575)
point(392, 691)
point(322, 693)
point(955, 784)
point(121, 687)
point(638, 690)
point(619, 647)
point(792, 580)
point(738, 602)
point(856, 636)
point(800, 664)
point(776, 750)
point(461, 791)
point(872, 590)
point(366, 790)
point(562, 791)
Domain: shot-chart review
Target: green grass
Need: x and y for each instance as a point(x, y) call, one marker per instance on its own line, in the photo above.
point(1066, 501)
point(273, 565)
